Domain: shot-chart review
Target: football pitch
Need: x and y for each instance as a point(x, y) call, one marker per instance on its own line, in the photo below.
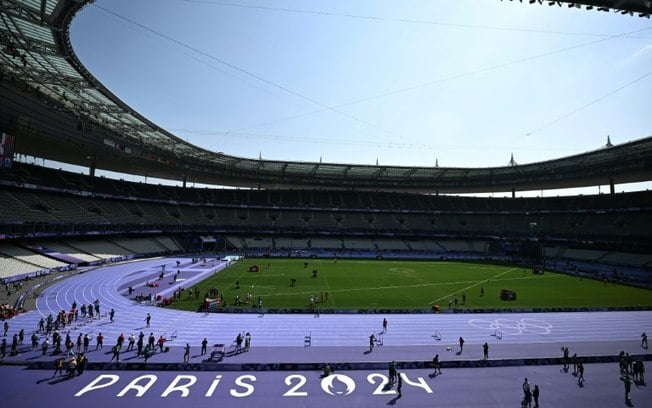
point(384, 284)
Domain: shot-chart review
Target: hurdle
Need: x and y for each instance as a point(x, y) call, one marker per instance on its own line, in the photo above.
point(307, 340)
point(437, 336)
point(497, 334)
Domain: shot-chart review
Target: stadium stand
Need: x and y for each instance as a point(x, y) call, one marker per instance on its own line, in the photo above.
point(391, 245)
point(26, 256)
point(358, 244)
point(11, 267)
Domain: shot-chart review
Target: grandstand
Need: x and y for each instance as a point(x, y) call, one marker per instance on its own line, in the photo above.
point(609, 228)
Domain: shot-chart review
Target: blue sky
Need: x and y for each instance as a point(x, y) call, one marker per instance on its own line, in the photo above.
point(465, 83)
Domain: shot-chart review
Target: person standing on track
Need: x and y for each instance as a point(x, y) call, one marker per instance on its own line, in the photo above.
point(139, 345)
point(384, 325)
point(485, 351)
point(81, 364)
point(161, 343)
point(399, 383)
point(535, 394)
point(116, 353)
point(100, 341)
point(527, 393)
point(565, 358)
point(436, 365)
point(392, 373)
point(186, 353)
point(461, 340)
point(204, 343)
point(148, 319)
point(58, 366)
point(628, 388)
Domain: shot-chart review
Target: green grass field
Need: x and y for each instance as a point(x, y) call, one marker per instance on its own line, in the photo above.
point(382, 284)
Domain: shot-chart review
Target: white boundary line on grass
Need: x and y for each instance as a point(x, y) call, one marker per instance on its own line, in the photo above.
point(474, 285)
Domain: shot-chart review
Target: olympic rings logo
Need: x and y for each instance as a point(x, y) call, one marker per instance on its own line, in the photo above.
point(514, 327)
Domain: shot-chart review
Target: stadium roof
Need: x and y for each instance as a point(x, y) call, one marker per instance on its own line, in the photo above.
point(60, 111)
